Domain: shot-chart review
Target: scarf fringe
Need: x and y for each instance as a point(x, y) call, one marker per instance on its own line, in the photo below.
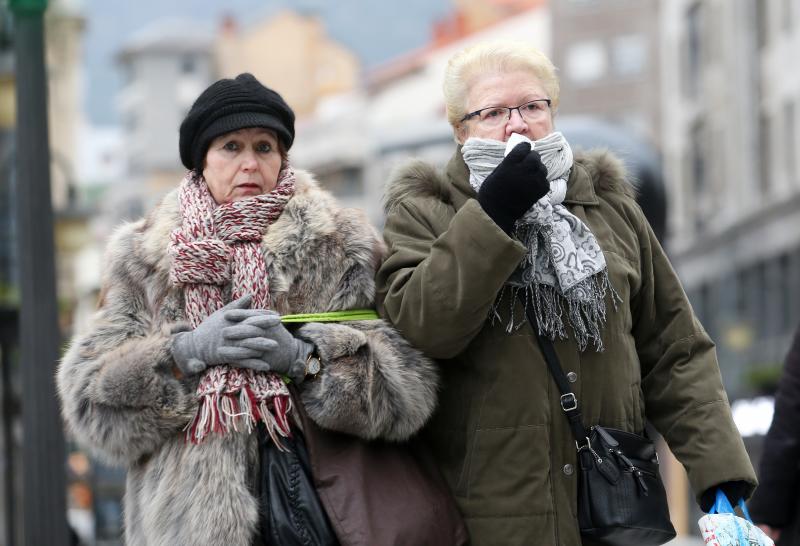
point(236, 400)
point(222, 413)
point(586, 316)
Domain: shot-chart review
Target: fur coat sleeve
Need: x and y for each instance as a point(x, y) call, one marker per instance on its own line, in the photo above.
point(118, 393)
point(120, 397)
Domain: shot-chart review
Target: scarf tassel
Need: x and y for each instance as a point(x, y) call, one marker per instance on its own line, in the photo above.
point(221, 413)
point(586, 316)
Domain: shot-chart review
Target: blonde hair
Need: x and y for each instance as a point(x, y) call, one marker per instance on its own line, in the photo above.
point(482, 59)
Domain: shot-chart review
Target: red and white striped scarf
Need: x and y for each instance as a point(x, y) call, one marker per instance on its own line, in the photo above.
point(218, 245)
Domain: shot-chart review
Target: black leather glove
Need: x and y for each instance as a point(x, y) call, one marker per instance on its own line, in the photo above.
point(514, 186)
point(733, 490)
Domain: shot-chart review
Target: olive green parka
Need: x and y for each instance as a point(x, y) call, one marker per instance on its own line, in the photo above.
point(499, 435)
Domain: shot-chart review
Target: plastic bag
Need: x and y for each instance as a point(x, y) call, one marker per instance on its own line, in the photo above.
point(722, 527)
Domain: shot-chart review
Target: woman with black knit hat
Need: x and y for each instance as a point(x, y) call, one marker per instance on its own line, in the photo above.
point(182, 376)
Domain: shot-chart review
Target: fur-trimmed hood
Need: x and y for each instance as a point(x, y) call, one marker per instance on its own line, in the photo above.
point(416, 178)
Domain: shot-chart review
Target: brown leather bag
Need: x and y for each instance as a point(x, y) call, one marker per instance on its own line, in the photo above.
point(380, 493)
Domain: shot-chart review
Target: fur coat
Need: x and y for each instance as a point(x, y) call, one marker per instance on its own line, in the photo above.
point(121, 400)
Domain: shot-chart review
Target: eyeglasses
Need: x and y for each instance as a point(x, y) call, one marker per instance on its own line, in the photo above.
point(495, 116)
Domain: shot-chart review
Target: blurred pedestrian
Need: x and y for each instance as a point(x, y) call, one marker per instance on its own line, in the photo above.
point(565, 235)
point(775, 505)
point(179, 376)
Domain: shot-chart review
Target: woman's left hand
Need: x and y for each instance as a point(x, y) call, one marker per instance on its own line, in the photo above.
point(289, 354)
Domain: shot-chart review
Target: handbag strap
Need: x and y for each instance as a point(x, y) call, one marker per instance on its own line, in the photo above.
point(569, 402)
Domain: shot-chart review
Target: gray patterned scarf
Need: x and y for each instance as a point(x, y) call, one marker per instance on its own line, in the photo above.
point(564, 268)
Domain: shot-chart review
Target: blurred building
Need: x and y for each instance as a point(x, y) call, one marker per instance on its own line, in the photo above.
point(353, 141)
point(64, 29)
point(64, 34)
point(290, 52)
point(607, 54)
point(7, 122)
point(9, 408)
point(166, 65)
point(730, 123)
point(470, 16)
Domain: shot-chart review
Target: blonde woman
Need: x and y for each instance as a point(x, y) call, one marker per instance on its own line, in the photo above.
point(564, 234)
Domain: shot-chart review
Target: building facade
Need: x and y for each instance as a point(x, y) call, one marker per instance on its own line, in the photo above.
point(290, 52)
point(729, 110)
point(607, 53)
point(166, 66)
point(353, 142)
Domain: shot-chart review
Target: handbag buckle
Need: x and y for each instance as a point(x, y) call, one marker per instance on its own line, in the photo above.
point(569, 402)
point(588, 446)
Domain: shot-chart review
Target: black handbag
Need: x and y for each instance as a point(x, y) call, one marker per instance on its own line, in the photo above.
point(290, 510)
point(621, 499)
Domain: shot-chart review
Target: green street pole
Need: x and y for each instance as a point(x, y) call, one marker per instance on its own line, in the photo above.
point(43, 462)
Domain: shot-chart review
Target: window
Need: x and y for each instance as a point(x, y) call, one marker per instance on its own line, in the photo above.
point(188, 64)
point(694, 45)
point(586, 62)
point(787, 16)
point(789, 142)
point(698, 174)
point(131, 122)
point(784, 291)
point(741, 293)
point(761, 304)
point(128, 73)
point(764, 170)
point(762, 23)
point(630, 54)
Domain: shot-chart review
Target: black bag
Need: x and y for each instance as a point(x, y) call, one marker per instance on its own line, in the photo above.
point(290, 511)
point(621, 500)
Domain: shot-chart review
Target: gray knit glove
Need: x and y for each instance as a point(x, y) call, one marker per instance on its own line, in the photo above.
point(232, 335)
point(288, 354)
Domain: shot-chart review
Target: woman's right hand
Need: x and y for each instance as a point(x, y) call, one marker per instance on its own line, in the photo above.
point(223, 338)
point(514, 186)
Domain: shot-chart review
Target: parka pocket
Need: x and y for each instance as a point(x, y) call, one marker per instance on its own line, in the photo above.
point(507, 469)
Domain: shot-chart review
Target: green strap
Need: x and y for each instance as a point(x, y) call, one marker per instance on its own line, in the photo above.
point(333, 316)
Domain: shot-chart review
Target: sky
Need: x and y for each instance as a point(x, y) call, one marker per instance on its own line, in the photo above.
point(375, 30)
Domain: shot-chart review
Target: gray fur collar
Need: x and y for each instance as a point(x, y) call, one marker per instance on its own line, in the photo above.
point(416, 178)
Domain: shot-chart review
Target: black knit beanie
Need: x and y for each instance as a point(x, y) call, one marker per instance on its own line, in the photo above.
point(229, 105)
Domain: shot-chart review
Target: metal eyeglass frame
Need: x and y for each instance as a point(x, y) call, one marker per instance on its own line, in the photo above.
point(509, 108)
